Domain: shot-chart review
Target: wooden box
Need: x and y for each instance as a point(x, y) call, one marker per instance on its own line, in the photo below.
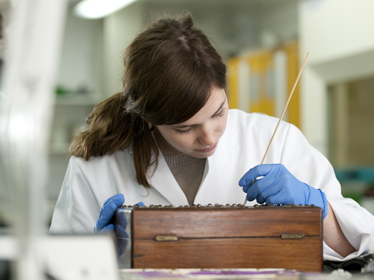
point(244, 237)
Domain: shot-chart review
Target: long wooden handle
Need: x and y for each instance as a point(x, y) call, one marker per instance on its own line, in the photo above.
point(281, 117)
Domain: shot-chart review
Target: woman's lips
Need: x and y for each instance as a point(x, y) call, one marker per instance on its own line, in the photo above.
point(208, 149)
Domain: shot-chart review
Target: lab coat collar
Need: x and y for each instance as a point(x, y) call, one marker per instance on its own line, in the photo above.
point(164, 182)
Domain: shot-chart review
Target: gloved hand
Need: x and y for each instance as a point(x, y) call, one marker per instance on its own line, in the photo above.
point(279, 186)
point(104, 224)
point(120, 224)
point(106, 213)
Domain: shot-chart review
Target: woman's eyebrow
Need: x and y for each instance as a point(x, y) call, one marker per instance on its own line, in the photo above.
point(219, 109)
point(216, 112)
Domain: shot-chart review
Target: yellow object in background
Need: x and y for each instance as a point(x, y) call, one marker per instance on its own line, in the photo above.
point(268, 78)
point(233, 82)
point(292, 52)
point(262, 83)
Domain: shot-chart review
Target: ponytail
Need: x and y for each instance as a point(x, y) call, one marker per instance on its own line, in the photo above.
point(111, 129)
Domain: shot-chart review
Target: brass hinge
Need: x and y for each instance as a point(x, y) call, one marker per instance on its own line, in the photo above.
point(166, 238)
point(291, 235)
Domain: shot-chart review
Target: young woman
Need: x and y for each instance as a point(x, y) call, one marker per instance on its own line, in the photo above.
point(169, 138)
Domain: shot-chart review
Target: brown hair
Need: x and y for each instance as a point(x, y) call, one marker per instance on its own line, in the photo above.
point(170, 69)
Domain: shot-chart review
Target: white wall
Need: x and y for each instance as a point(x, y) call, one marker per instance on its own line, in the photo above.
point(92, 50)
point(81, 56)
point(120, 29)
point(339, 36)
point(332, 29)
point(280, 23)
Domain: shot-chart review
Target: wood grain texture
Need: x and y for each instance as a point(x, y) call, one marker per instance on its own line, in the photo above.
point(300, 254)
point(228, 238)
point(240, 222)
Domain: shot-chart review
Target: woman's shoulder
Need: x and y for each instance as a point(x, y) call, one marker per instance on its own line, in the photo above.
point(241, 118)
point(255, 126)
point(120, 157)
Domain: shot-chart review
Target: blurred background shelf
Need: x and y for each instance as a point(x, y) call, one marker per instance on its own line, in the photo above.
point(77, 99)
point(70, 113)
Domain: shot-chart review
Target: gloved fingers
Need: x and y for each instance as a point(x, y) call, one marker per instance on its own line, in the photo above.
point(108, 228)
point(253, 173)
point(246, 187)
point(282, 197)
point(265, 183)
point(117, 199)
point(253, 190)
point(279, 182)
point(289, 193)
point(273, 199)
point(106, 214)
point(121, 218)
point(294, 192)
point(268, 187)
point(108, 209)
point(121, 231)
point(122, 245)
point(261, 189)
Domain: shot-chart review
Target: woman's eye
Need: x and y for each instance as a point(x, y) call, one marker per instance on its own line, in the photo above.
point(219, 114)
point(183, 131)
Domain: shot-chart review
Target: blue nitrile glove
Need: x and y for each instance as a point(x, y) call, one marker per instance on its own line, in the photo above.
point(279, 186)
point(104, 223)
point(120, 224)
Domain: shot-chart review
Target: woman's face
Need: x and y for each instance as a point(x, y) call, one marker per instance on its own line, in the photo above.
point(198, 136)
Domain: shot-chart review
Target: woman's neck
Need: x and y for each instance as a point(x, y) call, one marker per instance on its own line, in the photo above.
point(164, 146)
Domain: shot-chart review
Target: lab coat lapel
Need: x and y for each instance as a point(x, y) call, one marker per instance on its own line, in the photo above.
point(164, 182)
point(216, 187)
point(206, 189)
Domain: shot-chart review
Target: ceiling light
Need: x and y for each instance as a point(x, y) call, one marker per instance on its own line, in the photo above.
point(99, 8)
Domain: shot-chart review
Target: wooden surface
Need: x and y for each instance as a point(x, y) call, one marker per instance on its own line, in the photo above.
point(228, 238)
point(237, 222)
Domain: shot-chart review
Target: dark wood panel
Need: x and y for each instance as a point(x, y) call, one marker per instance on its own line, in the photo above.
point(301, 254)
point(216, 223)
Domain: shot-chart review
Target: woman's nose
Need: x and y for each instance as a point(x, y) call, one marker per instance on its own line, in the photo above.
point(207, 137)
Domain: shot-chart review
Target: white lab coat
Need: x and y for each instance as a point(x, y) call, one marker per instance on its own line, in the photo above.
point(88, 184)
